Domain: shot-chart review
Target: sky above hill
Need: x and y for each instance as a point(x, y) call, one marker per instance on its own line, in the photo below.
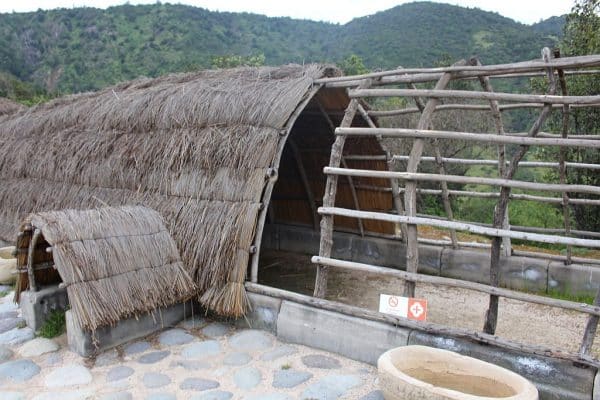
point(336, 11)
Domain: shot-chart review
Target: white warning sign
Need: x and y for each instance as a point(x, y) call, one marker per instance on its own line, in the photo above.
point(405, 307)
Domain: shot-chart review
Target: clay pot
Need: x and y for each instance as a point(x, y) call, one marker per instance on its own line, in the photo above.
point(8, 266)
point(419, 372)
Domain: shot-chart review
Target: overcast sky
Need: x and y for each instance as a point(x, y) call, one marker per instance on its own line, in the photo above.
point(339, 11)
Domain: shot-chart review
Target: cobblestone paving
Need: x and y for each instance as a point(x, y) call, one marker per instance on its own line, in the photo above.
point(197, 360)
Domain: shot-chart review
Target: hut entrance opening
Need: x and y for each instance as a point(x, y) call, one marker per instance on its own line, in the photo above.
point(292, 231)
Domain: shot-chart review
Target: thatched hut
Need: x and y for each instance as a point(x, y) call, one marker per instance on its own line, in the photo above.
point(115, 262)
point(204, 149)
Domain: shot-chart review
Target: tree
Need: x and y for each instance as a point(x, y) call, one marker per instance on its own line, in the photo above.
point(232, 61)
point(582, 36)
point(353, 65)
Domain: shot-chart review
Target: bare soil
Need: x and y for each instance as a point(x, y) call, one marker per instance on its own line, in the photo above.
point(460, 308)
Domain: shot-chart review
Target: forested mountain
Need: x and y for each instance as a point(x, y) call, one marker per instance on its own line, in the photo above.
point(71, 50)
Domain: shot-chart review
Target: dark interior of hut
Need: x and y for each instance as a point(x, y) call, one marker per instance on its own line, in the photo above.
point(299, 190)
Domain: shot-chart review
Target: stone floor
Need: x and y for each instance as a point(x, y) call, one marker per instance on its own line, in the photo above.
point(199, 359)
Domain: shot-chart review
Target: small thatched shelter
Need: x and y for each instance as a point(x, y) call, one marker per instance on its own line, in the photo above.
point(115, 262)
point(8, 107)
point(203, 149)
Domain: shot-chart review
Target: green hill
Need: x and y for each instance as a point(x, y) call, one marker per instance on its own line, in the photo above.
point(71, 50)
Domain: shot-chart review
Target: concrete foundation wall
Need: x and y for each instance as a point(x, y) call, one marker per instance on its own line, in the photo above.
point(522, 273)
point(37, 306)
point(82, 342)
point(366, 340)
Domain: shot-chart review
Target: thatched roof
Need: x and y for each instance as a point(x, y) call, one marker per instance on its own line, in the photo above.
point(115, 262)
point(195, 147)
point(9, 107)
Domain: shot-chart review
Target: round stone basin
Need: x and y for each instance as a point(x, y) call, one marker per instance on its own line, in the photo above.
point(420, 372)
point(8, 265)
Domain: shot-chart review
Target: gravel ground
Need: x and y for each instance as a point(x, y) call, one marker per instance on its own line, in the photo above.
point(519, 321)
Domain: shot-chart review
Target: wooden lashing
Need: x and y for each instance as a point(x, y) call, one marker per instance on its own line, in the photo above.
point(486, 85)
point(442, 170)
point(491, 316)
point(562, 169)
point(390, 165)
point(305, 182)
point(335, 160)
point(351, 184)
point(410, 194)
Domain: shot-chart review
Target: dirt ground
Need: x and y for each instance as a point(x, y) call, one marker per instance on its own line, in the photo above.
point(518, 321)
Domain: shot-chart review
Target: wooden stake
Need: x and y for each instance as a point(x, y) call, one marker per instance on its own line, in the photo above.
point(410, 195)
point(326, 242)
point(491, 316)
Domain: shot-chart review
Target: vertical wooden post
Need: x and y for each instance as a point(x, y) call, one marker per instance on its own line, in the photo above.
point(497, 116)
point(390, 165)
point(410, 193)
point(305, 182)
point(442, 171)
point(562, 168)
point(353, 193)
point(590, 330)
point(30, 254)
point(335, 160)
point(491, 316)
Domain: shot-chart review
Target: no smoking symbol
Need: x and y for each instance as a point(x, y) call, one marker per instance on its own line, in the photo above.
point(417, 310)
point(393, 301)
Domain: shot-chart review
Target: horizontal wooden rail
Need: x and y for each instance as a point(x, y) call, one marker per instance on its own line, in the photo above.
point(421, 326)
point(417, 176)
point(468, 94)
point(472, 228)
point(469, 161)
point(475, 137)
point(457, 283)
point(432, 77)
point(556, 257)
point(466, 107)
point(479, 70)
point(532, 229)
point(486, 195)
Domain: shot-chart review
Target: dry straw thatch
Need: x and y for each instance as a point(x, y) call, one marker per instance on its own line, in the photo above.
point(195, 147)
point(115, 262)
point(9, 107)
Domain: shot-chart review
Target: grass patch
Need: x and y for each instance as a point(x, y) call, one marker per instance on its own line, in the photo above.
point(286, 366)
point(54, 326)
point(577, 298)
point(4, 293)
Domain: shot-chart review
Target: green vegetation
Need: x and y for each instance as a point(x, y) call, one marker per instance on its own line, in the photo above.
point(54, 326)
point(79, 49)
point(286, 366)
point(561, 295)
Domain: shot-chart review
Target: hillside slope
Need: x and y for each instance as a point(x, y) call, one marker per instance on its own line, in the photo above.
point(79, 49)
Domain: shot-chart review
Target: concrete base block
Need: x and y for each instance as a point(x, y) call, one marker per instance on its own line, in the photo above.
point(555, 379)
point(573, 279)
point(298, 239)
point(264, 314)
point(521, 273)
point(37, 306)
point(82, 342)
point(355, 338)
point(596, 394)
